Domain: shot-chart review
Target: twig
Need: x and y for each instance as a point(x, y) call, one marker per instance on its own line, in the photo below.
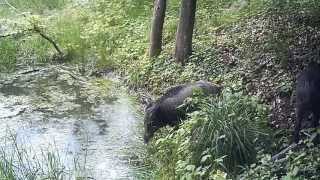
point(283, 152)
point(31, 71)
point(16, 33)
point(37, 29)
point(8, 35)
point(10, 5)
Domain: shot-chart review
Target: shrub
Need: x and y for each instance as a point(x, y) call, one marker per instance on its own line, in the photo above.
point(232, 129)
point(303, 163)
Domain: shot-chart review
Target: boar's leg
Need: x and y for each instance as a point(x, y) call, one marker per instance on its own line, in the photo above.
point(315, 119)
point(315, 124)
point(300, 112)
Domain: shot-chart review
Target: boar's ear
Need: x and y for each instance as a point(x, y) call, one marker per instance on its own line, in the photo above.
point(149, 104)
point(147, 101)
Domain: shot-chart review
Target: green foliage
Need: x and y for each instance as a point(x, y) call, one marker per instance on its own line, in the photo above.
point(35, 50)
point(222, 136)
point(68, 32)
point(65, 30)
point(10, 8)
point(8, 55)
point(38, 5)
point(303, 163)
point(235, 127)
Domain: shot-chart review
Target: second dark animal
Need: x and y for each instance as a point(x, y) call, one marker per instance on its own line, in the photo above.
point(308, 97)
point(164, 111)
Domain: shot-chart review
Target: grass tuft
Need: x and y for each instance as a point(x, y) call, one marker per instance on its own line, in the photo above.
point(8, 55)
point(17, 162)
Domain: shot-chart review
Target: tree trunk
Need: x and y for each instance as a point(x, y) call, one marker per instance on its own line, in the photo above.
point(157, 27)
point(185, 30)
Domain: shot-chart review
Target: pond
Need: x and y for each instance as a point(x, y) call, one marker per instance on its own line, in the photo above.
point(57, 123)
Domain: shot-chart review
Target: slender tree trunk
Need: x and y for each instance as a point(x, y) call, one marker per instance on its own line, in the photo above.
point(157, 27)
point(185, 30)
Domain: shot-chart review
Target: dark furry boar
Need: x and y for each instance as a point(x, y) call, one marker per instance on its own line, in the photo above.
point(307, 97)
point(164, 111)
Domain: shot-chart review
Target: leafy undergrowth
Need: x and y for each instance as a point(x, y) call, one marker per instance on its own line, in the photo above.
point(303, 163)
point(221, 138)
point(259, 55)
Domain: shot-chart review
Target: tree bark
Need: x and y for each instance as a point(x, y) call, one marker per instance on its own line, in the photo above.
point(157, 27)
point(185, 30)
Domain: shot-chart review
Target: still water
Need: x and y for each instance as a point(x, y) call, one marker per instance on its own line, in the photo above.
point(91, 125)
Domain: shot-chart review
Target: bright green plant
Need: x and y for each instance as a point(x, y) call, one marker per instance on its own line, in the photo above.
point(234, 127)
point(8, 55)
point(68, 32)
point(34, 49)
point(19, 163)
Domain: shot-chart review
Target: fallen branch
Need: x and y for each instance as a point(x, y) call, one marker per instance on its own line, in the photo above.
point(24, 32)
point(282, 153)
point(30, 71)
point(55, 45)
point(8, 35)
point(37, 30)
point(23, 110)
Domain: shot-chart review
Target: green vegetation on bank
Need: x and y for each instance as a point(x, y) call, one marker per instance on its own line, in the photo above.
point(16, 162)
point(8, 54)
point(221, 138)
point(253, 47)
point(33, 5)
point(300, 164)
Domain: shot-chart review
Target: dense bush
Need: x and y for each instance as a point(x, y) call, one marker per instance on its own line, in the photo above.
point(219, 139)
point(303, 163)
